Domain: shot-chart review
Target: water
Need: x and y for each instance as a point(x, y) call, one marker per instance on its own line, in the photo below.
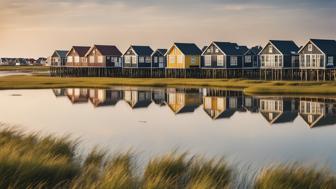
point(253, 130)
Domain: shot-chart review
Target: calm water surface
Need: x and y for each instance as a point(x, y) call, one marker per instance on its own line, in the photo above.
point(256, 130)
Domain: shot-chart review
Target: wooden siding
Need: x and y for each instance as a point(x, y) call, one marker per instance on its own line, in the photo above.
point(174, 53)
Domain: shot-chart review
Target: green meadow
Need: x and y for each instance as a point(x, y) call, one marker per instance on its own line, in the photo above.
point(35, 161)
point(248, 86)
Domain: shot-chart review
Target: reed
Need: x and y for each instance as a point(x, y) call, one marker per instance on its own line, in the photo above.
point(295, 177)
point(34, 161)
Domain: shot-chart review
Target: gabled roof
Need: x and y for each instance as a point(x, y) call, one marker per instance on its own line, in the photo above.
point(107, 50)
point(285, 47)
point(230, 48)
point(160, 51)
point(327, 46)
point(188, 48)
point(254, 50)
point(243, 49)
point(81, 50)
point(142, 50)
point(61, 53)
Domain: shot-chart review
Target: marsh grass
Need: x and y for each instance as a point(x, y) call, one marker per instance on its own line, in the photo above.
point(295, 177)
point(248, 86)
point(33, 161)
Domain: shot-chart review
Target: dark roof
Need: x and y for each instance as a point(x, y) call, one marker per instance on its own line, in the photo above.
point(61, 53)
point(188, 48)
point(142, 50)
point(106, 50)
point(327, 46)
point(204, 48)
point(161, 52)
point(243, 49)
point(256, 49)
point(285, 47)
point(230, 48)
point(81, 50)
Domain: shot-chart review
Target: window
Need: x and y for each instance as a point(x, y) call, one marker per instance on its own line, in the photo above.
point(70, 59)
point(76, 59)
point(141, 59)
point(207, 60)
point(91, 59)
point(127, 59)
point(100, 59)
point(171, 59)
point(220, 60)
point(134, 60)
point(234, 61)
point(180, 59)
point(310, 47)
point(270, 49)
point(155, 59)
point(148, 59)
point(217, 50)
point(263, 61)
point(313, 59)
point(193, 59)
point(330, 60)
point(248, 59)
point(161, 59)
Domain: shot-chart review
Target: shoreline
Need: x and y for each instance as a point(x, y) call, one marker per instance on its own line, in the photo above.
point(255, 87)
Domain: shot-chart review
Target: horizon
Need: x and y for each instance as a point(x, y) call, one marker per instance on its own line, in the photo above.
point(37, 28)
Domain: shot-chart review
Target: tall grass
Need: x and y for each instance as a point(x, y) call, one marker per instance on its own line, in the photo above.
point(295, 177)
point(33, 161)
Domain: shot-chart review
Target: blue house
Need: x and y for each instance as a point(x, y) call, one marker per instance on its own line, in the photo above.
point(224, 55)
point(159, 59)
point(138, 57)
point(251, 58)
point(318, 54)
point(278, 54)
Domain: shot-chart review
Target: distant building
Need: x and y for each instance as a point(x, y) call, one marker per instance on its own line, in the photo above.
point(59, 58)
point(318, 54)
point(138, 57)
point(76, 56)
point(279, 54)
point(183, 55)
point(41, 61)
point(104, 56)
point(77, 95)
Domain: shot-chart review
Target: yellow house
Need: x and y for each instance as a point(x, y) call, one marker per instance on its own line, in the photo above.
point(183, 55)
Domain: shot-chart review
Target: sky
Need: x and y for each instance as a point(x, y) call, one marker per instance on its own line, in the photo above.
point(36, 28)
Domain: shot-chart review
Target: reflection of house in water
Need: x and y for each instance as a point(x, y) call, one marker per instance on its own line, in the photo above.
point(159, 96)
point(77, 95)
point(59, 92)
point(221, 104)
point(318, 112)
point(105, 97)
point(183, 100)
point(251, 104)
point(279, 110)
point(138, 98)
